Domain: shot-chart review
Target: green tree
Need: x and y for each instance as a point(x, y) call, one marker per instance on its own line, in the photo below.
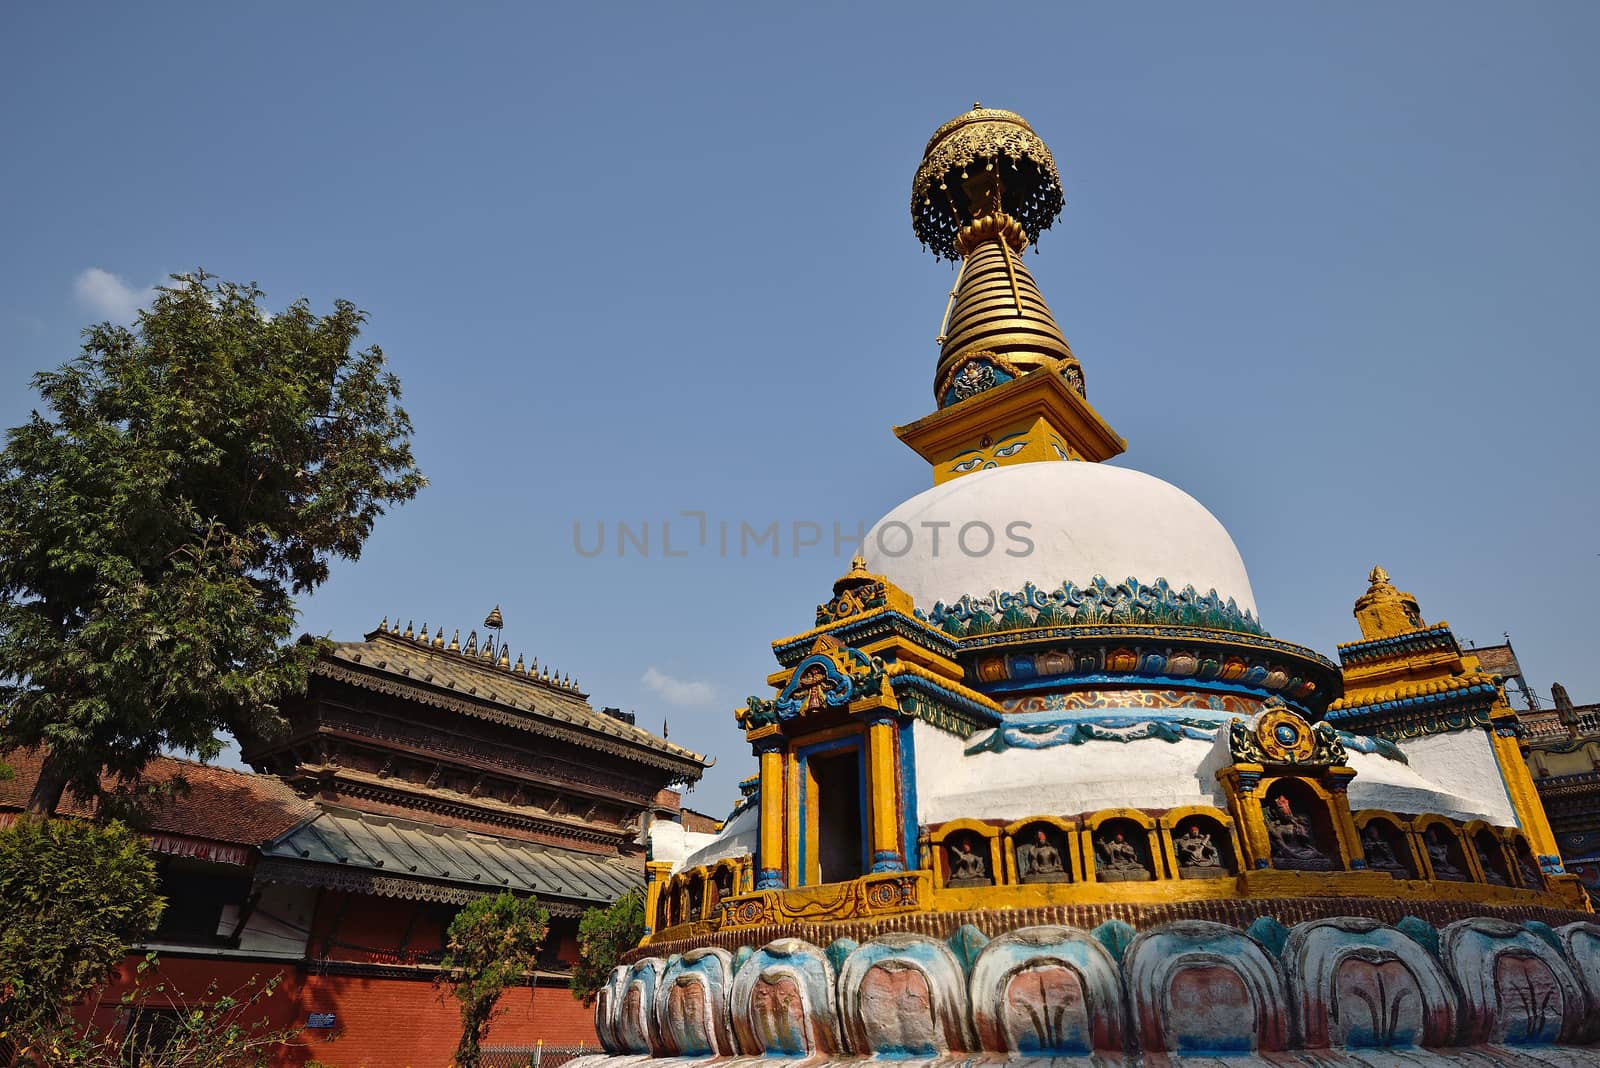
point(493, 943)
point(604, 935)
point(76, 895)
point(190, 477)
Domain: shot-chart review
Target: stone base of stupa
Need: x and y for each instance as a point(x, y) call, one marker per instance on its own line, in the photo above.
point(1331, 990)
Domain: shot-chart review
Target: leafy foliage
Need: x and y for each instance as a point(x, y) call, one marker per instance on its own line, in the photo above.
point(160, 1028)
point(76, 896)
point(190, 477)
point(493, 943)
point(604, 935)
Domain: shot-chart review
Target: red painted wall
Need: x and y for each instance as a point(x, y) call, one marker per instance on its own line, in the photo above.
point(380, 1022)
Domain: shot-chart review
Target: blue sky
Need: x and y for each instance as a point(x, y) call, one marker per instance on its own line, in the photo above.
point(1330, 269)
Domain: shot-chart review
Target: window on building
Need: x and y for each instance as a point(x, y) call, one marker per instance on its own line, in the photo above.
point(198, 895)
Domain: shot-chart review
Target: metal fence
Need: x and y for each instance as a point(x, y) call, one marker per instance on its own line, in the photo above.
point(539, 1056)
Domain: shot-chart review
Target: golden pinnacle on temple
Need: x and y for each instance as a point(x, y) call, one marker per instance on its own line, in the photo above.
point(423, 637)
point(494, 620)
point(455, 641)
point(409, 635)
point(518, 668)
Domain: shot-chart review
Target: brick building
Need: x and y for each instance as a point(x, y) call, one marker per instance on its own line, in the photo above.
point(416, 775)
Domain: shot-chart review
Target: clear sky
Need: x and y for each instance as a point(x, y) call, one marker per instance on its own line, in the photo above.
point(1331, 269)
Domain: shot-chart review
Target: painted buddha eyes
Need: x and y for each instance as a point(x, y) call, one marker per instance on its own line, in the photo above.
point(976, 460)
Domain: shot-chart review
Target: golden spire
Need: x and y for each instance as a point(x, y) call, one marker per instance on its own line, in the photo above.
point(493, 619)
point(986, 189)
point(455, 641)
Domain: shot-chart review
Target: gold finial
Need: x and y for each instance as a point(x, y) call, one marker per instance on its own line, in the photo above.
point(505, 658)
point(1384, 610)
point(455, 640)
point(566, 680)
point(858, 564)
point(519, 669)
point(384, 626)
point(977, 105)
point(409, 634)
point(423, 637)
point(438, 638)
point(494, 619)
point(546, 676)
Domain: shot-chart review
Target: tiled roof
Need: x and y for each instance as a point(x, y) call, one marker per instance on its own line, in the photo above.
point(1450, 688)
point(479, 685)
point(409, 856)
point(219, 805)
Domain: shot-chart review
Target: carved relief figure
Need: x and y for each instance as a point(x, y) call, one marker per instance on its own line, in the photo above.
point(966, 867)
point(1116, 861)
point(1438, 843)
point(688, 1016)
point(778, 1015)
point(898, 1011)
point(1041, 861)
point(811, 688)
point(1198, 856)
point(1293, 843)
point(1046, 1012)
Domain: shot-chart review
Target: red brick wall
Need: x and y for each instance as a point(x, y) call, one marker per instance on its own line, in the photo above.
point(381, 1022)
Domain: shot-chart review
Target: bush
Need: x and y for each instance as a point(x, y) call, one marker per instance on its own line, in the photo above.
point(493, 944)
point(76, 896)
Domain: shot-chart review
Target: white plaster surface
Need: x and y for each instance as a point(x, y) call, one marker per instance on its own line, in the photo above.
point(737, 838)
point(1463, 763)
point(1084, 520)
point(1156, 774)
point(670, 843)
point(1063, 780)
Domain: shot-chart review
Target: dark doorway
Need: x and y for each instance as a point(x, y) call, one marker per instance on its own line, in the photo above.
point(838, 812)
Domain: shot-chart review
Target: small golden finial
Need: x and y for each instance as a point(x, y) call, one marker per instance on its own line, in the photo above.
point(519, 669)
point(1379, 579)
point(858, 564)
point(423, 637)
point(505, 658)
point(384, 626)
point(438, 638)
point(471, 648)
point(977, 105)
point(566, 680)
point(546, 676)
point(494, 619)
point(395, 629)
point(409, 634)
point(455, 641)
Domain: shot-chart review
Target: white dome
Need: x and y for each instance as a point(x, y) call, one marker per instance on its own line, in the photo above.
point(1083, 520)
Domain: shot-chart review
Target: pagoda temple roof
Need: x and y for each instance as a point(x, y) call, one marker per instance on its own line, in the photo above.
point(486, 686)
point(393, 857)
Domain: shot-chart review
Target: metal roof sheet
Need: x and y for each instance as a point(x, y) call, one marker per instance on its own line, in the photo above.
point(344, 839)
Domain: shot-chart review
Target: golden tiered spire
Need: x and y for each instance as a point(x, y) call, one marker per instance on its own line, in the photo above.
point(1008, 387)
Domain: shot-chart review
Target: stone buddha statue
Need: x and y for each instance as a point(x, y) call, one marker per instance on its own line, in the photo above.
point(1198, 856)
point(1380, 855)
point(1042, 861)
point(966, 867)
point(1439, 855)
point(1294, 845)
point(1117, 861)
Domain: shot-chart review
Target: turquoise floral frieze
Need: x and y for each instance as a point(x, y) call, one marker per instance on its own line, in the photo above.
point(1100, 602)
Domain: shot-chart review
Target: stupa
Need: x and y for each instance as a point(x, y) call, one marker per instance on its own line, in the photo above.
point(1037, 784)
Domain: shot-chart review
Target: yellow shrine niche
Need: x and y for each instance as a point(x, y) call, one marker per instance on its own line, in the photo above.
point(1407, 678)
